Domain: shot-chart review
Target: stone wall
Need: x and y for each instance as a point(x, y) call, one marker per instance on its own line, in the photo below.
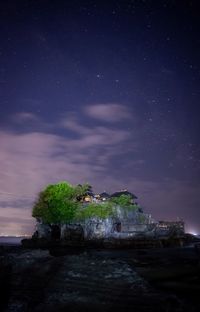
point(170, 228)
point(127, 227)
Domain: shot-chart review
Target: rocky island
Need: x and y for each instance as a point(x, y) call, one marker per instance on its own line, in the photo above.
point(73, 215)
point(99, 253)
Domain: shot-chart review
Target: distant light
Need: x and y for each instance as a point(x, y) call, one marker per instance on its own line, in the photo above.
point(193, 233)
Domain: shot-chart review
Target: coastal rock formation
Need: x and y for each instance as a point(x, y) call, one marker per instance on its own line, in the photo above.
point(101, 217)
point(154, 280)
point(123, 226)
point(42, 230)
point(72, 232)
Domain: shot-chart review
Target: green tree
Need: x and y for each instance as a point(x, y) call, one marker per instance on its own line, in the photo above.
point(57, 203)
point(81, 190)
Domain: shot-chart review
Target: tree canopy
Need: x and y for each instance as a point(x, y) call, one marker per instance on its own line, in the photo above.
point(58, 203)
point(61, 203)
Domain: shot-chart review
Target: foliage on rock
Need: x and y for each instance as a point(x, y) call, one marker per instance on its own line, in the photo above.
point(94, 210)
point(58, 203)
point(124, 201)
point(61, 203)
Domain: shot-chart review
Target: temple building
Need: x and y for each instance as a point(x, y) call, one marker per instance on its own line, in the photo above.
point(125, 223)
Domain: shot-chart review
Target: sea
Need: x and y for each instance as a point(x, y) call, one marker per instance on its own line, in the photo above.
point(11, 240)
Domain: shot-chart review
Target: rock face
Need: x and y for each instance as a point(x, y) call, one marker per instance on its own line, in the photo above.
point(42, 231)
point(72, 232)
point(126, 224)
point(95, 228)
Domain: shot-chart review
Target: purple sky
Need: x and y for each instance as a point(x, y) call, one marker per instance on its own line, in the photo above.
point(100, 93)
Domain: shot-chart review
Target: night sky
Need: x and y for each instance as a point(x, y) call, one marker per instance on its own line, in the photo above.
point(105, 92)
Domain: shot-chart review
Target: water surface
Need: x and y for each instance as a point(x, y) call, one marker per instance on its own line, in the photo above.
point(10, 240)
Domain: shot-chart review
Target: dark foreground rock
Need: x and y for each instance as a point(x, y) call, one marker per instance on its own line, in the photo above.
point(101, 280)
point(107, 243)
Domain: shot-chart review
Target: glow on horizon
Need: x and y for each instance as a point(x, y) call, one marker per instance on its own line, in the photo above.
point(195, 233)
point(14, 235)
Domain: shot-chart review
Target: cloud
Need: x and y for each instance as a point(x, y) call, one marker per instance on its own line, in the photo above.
point(72, 123)
point(95, 136)
point(14, 201)
point(28, 122)
point(109, 112)
point(16, 221)
point(25, 117)
point(30, 161)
